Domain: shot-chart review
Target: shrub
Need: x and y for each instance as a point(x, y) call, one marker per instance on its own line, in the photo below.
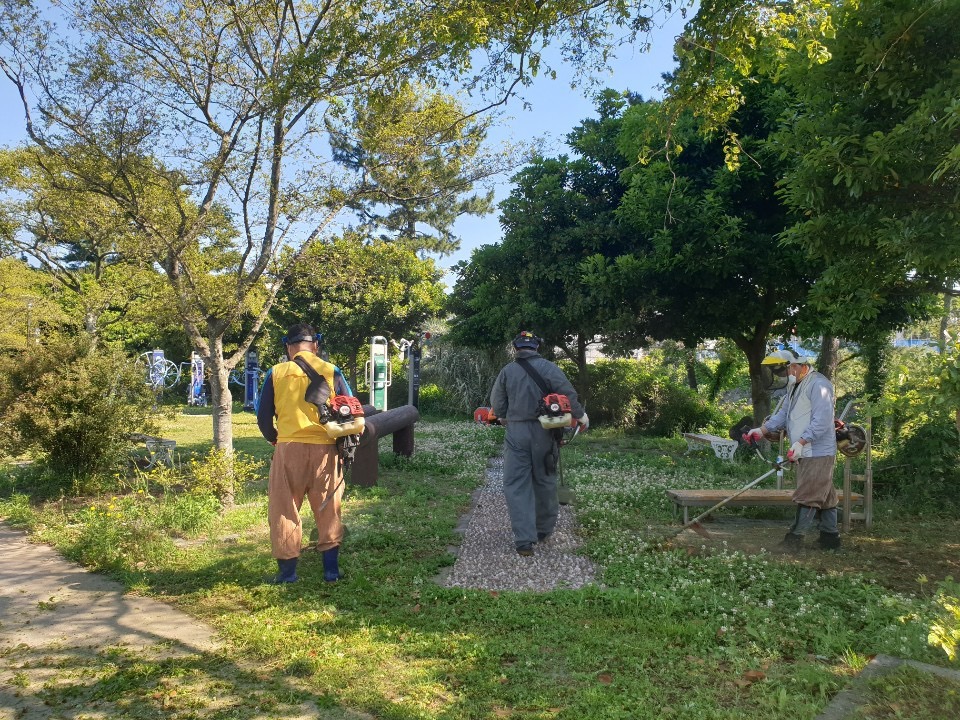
point(923, 464)
point(945, 633)
point(216, 475)
point(635, 393)
point(116, 534)
point(73, 406)
point(915, 434)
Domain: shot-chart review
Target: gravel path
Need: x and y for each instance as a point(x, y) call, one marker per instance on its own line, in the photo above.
point(487, 560)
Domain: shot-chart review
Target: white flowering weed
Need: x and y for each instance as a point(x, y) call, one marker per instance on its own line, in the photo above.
point(748, 600)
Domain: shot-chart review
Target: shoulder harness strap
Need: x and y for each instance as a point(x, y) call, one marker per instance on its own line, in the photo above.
point(537, 378)
point(318, 391)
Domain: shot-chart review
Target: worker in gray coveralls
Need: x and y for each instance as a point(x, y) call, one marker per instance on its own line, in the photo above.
point(530, 451)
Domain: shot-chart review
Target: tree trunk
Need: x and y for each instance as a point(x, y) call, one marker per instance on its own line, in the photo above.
point(829, 356)
point(876, 354)
point(755, 349)
point(90, 325)
point(691, 362)
point(222, 403)
point(583, 384)
point(943, 340)
point(353, 372)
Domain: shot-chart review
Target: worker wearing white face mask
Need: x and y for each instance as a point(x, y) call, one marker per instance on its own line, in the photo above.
point(807, 415)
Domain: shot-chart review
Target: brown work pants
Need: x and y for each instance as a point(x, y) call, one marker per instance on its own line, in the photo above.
point(300, 469)
point(815, 483)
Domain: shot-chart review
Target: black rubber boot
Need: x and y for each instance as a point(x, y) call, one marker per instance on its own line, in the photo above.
point(828, 541)
point(331, 564)
point(287, 572)
point(791, 542)
point(525, 550)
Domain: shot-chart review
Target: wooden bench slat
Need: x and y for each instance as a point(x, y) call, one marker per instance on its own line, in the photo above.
point(687, 499)
point(706, 498)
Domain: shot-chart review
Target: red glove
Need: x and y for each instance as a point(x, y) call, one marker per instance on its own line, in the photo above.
point(754, 436)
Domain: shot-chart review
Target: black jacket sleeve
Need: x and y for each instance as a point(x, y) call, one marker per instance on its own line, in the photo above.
point(266, 410)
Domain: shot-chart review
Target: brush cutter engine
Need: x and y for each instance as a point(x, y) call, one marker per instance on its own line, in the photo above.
point(485, 416)
point(851, 439)
point(555, 412)
point(343, 415)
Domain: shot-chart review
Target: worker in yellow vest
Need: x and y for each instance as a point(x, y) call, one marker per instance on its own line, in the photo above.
point(305, 459)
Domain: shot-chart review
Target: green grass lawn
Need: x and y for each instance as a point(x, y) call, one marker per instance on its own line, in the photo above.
point(669, 631)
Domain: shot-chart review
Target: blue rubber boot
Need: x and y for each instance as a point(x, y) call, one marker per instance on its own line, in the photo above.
point(331, 564)
point(287, 572)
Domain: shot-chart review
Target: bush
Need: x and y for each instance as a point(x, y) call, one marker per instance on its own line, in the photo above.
point(923, 463)
point(218, 476)
point(634, 393)
point(916, 442)
point(74, 407)
point(945, 633)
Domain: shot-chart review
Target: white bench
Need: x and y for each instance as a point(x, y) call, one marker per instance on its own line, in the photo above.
point(159, 450)
point(723, 448)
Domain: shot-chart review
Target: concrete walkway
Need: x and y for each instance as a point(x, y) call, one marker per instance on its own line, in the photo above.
point(47, 601)
point(54, 614)
point(845, 703)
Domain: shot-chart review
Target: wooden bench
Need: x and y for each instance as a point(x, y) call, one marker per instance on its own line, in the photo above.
point(723, 448)
point(159, 450)
point(687, 499)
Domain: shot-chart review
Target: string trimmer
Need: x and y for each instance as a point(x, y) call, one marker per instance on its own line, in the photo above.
point(562, 435)
point(695, 525)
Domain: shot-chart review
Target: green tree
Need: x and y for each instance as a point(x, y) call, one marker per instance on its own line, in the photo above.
point(80, 239)
point(703, 259)
point(559, 213)
point(421, 156)
point(350, 290)
point(204, 123)
point(28, 305)
point(725, 48)
point(875, 133)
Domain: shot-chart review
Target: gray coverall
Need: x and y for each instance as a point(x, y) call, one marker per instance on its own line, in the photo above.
point(529, 485)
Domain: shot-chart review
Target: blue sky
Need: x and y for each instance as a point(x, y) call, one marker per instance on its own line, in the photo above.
point(554, 109)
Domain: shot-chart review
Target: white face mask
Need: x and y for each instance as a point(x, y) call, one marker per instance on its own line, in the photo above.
point(791, 380)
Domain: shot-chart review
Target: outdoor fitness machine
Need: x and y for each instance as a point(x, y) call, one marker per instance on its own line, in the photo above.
point(414, 351)
point(251, 381)
point(196, 394)
point(378, 372)
point(159, 373)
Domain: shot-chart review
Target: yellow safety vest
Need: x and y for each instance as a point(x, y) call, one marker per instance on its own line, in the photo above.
point(298, 420)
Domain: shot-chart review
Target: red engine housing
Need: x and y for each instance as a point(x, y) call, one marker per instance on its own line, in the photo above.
point(343, 415)
point(556, 404)
point(345, 407)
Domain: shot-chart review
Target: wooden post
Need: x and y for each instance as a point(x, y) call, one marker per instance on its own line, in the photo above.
point(866, 479)
point(847, 482)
